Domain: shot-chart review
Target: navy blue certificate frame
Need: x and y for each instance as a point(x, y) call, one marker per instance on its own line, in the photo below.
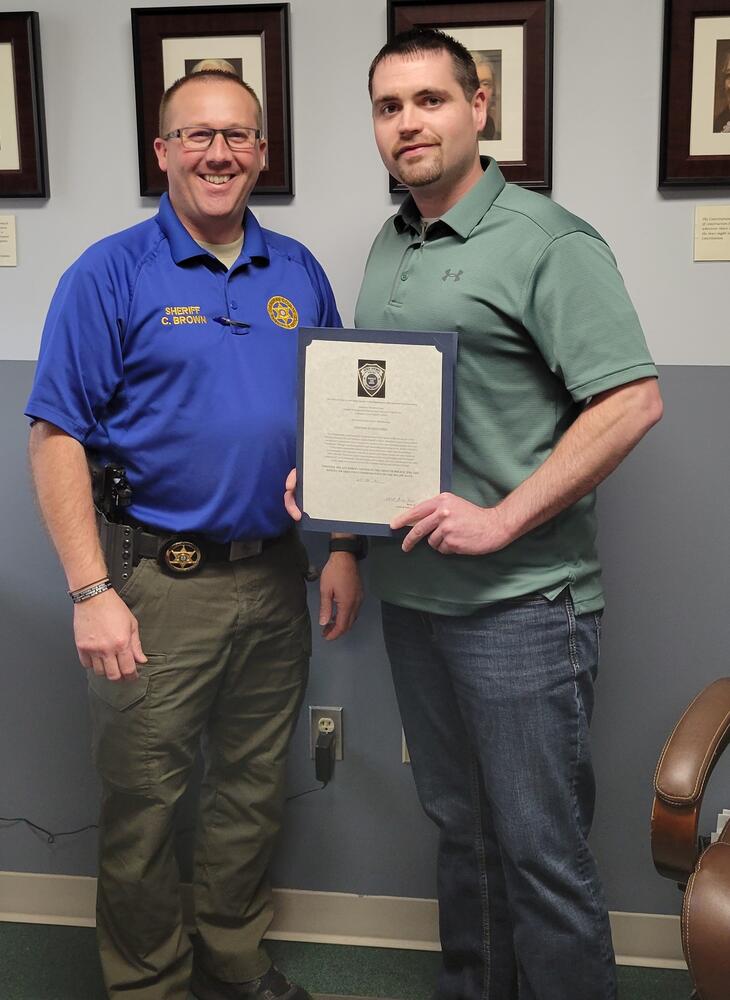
point(444, 342)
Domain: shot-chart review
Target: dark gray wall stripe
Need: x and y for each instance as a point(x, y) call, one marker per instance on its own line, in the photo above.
point(664, 541)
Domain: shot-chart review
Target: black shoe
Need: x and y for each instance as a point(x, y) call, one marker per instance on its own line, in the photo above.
point(273, 985)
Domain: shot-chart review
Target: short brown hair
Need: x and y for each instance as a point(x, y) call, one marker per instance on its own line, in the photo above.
point(206, 74)
point(417, 40)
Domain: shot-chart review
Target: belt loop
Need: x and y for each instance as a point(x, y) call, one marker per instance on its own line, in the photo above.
point(244, 550)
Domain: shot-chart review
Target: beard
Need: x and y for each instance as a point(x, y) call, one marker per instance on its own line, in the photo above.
point(422, 172)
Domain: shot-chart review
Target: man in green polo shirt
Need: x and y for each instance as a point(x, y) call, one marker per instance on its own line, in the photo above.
point(492, 600)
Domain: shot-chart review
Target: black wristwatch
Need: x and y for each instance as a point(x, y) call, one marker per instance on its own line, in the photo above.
point(358, 546)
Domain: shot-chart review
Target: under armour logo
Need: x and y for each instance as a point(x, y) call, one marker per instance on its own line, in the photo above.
point(450, 274)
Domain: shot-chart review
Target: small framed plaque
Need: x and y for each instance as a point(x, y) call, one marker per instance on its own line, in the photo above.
point(375, 425)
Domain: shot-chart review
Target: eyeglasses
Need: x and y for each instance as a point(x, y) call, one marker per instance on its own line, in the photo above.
point(199, 138)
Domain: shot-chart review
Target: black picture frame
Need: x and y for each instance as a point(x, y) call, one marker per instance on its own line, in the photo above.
point(269, 22)
point(24, 107)
point(689, 153)
point(535, 17)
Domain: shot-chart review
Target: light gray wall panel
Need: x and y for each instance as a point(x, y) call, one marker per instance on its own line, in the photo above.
point(664, 537)
point(606, 127)
point(664, 541)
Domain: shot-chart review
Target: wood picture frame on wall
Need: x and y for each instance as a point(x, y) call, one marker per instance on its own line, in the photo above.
point(23, 154)
point(169, 42)
point(694, 147)
point(511, 42)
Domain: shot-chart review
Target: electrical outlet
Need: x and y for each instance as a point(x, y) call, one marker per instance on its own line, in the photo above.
point(325, 719)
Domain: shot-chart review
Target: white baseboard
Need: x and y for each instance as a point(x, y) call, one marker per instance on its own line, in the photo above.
point(28, 898)
point(344, 918)
point(648, 939)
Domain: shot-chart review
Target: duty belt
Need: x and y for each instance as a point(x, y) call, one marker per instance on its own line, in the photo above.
point(182, 553)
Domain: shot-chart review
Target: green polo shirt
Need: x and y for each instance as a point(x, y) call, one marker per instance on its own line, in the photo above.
point(544, 323)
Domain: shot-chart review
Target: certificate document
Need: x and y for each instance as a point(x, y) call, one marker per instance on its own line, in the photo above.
point(375, 425)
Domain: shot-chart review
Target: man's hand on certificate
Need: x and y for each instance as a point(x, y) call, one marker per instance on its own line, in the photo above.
point(340, 589)
point(454, 526)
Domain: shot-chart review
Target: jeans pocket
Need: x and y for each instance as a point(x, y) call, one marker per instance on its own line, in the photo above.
point(598, 621)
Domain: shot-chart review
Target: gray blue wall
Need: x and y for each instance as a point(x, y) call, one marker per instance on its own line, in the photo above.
point(664, 536)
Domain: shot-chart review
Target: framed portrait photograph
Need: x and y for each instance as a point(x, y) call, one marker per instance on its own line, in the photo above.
point(695, 126)
point(511, 43)
point(23, 157)
point(251, 41)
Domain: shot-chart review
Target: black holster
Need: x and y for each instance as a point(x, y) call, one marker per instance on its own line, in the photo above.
point(116, 544)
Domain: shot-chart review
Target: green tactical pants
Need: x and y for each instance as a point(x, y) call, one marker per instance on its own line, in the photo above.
point(228, 652)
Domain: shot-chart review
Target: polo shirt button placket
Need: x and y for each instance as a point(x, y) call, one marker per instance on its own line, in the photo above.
point(401, 276)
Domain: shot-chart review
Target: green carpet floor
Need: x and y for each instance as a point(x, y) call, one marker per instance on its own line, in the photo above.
point(60, 963)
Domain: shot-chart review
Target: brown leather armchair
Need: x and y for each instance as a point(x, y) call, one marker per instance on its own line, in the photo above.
point(686, 763)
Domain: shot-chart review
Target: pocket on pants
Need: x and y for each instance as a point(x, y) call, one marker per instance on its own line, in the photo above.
point(304, 628)
point(127, 590)
point(119, 695)
point(121, 727)
point(302, 556)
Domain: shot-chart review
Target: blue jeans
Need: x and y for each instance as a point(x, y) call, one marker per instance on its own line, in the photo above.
point(496, 708)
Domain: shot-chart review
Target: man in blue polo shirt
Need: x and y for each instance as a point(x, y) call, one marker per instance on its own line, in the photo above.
point(170, 349)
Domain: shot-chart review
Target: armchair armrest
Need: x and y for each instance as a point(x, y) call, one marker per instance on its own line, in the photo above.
point(685, 765)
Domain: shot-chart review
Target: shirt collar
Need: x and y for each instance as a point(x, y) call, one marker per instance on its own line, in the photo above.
point(467, 213)
point(183, 247)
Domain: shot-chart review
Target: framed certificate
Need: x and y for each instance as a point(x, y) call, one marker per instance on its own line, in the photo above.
point(695, 127)
point(250, 40)
point(375, 425)
point(511, 43)
point(23, 157)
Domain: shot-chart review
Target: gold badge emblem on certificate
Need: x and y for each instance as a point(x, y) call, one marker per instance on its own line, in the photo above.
point(371, 379)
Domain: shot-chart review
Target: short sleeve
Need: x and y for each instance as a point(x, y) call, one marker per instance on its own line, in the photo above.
point(80, 362)
point(579, 314)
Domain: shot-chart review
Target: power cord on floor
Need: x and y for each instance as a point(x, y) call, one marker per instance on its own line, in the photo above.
point(52, 837)
point(309, 791)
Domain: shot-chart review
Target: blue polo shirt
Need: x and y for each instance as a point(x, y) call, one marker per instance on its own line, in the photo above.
point(140, 363)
